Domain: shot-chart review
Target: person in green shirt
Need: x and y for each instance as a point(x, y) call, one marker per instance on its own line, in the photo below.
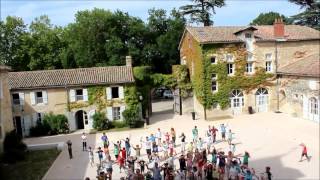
point(246, 159)
point(116, 150)
point(195, 134)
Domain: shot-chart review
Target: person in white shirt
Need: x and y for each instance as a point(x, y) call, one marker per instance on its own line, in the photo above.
point(84, 142)
point(159, 135)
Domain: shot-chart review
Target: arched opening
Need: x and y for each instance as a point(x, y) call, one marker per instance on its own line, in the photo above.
point(81, 118)
point(313, 109)
point(236, 101)
point(262, 100)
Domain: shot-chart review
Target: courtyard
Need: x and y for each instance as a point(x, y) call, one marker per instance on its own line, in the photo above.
point(271, 139)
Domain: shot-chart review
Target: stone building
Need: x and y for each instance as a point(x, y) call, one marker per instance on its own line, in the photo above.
point(247, 54)
point(299, 88)
point(76, 93)
point(6, 124)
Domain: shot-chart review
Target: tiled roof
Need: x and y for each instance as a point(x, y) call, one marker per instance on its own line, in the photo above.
point(70, 77)
point(308, 66)
point(214, 34)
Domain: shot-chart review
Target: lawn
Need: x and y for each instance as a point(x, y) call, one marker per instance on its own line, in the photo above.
point(33, 167)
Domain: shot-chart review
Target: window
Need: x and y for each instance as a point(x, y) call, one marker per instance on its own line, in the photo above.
point(248, 35)
point(39, 97)
point(115, 92)
point(214, 83)
point(79, 94)
point(213, 60)
point(39, 118)
point(249, 57)
point(229, 57)
point(116, 113)
point(249, 68)
point(268, 66)
point(15, 99)
point(268, 56)
point(230, 68)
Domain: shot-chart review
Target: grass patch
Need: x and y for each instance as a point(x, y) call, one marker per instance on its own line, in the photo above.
point(34, 167)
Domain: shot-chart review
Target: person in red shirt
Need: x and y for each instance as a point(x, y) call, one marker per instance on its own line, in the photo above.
point(304, 152)
point(214, 134)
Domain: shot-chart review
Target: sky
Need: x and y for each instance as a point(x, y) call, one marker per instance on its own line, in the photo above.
point(61, 12)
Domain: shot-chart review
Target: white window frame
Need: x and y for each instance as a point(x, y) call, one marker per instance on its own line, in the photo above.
point(249, 68)
point(268, 56)
point(215, 59)
point(39, 98)
point(79, 97)
point(116, 113)
point(229, 57)
point(214, 80)
point(229, 69)
point(268, 66)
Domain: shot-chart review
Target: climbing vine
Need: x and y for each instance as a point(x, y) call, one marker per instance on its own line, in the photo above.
point(204, 70)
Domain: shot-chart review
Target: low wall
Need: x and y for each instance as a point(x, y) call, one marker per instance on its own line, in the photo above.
point(35, 147)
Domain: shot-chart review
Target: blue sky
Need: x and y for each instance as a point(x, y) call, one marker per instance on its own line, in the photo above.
point(61, 12)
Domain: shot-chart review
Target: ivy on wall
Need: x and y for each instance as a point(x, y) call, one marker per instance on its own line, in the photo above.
point(204, 70)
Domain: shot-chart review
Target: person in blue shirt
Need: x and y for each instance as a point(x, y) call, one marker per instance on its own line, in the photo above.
point(223, 131)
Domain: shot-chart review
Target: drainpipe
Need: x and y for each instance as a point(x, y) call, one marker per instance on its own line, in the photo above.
point(277, 76)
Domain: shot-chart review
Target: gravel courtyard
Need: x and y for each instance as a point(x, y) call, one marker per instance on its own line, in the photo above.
point(271, 139)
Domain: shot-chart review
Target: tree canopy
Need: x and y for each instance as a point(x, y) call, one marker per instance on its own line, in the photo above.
point(268, 19)
point(202, 10)
point(98, 37)
point(310, 16)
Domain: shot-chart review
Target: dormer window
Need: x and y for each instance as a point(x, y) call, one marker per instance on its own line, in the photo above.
point(247, 35)
point(213, 60)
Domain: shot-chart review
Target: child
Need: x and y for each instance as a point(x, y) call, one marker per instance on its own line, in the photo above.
point(195, 134)
point(183, 143)
point(106, 151)
point(116, 150)
point(141, 162)
point(91, 158)
point(84, 142)
point(123, 154)
point(304, 152)
point(230, 137)
point(223, 131)
point(121, 161)
point(167, 136)
point(100, 155)
point(137, 149)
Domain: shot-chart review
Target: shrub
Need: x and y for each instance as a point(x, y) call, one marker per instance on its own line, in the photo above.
point(57, 123)
point(132, 117)
point(119, 124)
point(13, 147)
point(41, 129)
point(100, 122)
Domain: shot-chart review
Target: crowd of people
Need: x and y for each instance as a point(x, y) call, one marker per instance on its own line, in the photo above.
point(170, 156)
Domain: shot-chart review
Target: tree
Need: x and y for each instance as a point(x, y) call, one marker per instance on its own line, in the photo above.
point(45, 44)
point(268, 19)
point(13, 50)
point(310, 17)
point(200, 10)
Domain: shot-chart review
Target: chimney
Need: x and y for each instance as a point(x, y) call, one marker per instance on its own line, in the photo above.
point(278, 28)
point(128, 61)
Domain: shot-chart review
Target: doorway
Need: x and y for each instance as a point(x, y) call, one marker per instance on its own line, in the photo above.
point(18, 125)
point(262, 100)
point(237, 102)
point(81, 117)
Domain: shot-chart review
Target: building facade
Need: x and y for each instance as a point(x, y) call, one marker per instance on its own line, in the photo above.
point(76, 93)
point(243, 61)
point(6, 124)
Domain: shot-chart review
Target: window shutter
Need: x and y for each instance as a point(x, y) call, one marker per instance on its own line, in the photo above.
point(72, 95)
point(121, 93)
point(122, 108)
point(85, 94)
point(34, 119)
point(108, 93)
point(45, 97)
point(21, 98)
point(33, 98)
point(109, 113)
point(26, 125)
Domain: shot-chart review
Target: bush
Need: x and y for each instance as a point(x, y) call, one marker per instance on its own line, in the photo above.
point(100, 122)
point(119, 124)
point(57, 123)
point(41, 129)
point(132, 117)
point(13, 147)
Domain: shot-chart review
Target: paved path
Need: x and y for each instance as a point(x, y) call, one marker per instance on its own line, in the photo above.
point(272, 140)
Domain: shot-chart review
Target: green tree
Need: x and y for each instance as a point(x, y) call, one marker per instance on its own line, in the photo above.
point(13, 43)
point(310, 16)
point(202, 10)
point(268, 19)
point(45, 44)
